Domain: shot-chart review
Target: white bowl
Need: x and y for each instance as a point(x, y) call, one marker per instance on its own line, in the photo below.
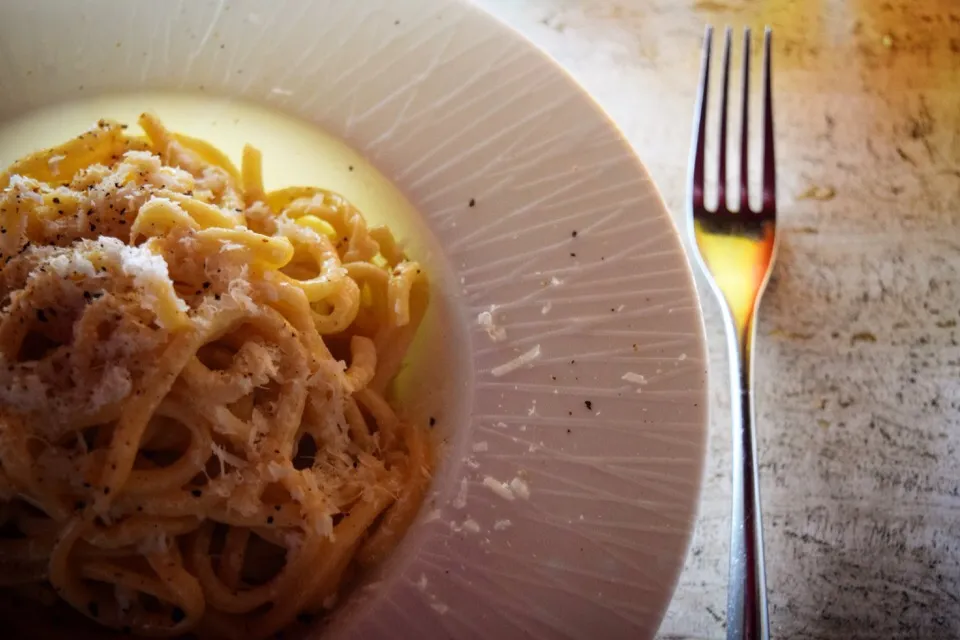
point(531, 207)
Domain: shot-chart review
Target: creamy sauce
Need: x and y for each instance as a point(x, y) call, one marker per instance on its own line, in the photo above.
point(431, 385)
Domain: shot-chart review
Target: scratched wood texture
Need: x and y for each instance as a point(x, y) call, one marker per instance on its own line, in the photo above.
point(858, 359)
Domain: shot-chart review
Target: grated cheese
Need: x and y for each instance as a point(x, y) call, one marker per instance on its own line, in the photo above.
point(502, 489)
point(520, 361)
point(114, 385)
point(68, 264)
point(461, 500)
point(520, 488)
point(54, 163)
point(486, 321)
point(635, 378)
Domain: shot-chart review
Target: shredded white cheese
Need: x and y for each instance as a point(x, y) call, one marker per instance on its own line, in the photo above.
point(480, 446)
point(225, 456)
point(486, 321)
point(26, 187)
point(114, 385)
point(461, 500)
point(520, 488)
point(54, 163)
point(520, 361)
point(68, 264)
point(500, 525)
point(502, 489)
point(634, 378)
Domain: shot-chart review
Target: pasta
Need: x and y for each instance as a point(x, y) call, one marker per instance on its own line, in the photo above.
point(195, 435)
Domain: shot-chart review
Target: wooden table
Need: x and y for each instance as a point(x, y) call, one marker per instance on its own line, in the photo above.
point(858, 357)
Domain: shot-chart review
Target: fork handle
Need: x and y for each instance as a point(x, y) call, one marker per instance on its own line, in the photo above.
point(747, 596)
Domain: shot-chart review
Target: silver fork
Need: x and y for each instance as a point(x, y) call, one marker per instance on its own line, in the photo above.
point(735, 251)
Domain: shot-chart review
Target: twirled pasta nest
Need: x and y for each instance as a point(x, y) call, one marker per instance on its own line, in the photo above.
point(193, 430)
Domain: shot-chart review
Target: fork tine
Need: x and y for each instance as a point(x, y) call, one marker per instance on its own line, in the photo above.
point(745, 127)
point(722, 170)
point(769, 160)
point(701, 123)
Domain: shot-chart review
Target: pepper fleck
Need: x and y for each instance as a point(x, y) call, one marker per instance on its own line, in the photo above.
point(216, 296)
point(569, 431)
point(350, 168)
point(573, 234)
point(56, 201)
point(473, 202)
point(206, 285)
point(573, 255)
point(106, 491)
point(433, 421)
point(269, 519)
point(588, 405)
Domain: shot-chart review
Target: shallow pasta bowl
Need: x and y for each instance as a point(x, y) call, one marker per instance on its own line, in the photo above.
point(561, 365)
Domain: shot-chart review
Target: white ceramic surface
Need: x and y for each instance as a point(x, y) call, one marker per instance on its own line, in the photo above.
point(548, 223)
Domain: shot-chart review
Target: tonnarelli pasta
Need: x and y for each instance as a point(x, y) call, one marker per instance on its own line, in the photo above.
point(193, 430)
